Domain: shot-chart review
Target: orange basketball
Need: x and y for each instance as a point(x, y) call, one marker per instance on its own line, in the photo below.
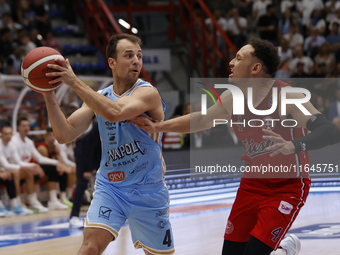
point(34, 69)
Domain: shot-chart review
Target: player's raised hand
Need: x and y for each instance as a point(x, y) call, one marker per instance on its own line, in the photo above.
point(144, 123)
point(280, 146)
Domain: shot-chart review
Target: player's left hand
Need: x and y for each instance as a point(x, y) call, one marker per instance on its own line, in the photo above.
point(280, 146)
point(65, 72)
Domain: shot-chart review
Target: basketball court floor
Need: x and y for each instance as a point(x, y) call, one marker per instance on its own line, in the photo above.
point(198, 228)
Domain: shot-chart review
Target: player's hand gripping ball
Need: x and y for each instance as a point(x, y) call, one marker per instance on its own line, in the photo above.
point(34, 69)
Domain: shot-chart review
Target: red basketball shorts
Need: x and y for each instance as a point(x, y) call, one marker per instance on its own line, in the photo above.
point(266, 217)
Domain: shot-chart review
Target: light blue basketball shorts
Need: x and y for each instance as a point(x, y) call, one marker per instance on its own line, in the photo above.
point(146, 207)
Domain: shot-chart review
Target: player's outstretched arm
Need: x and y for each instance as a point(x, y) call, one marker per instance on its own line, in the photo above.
point(67, 130)
point(179, 125)
point(190, 123)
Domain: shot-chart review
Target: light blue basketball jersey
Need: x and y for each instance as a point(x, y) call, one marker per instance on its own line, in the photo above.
point(130, 156)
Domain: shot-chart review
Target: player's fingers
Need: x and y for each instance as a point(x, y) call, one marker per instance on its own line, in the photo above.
point(269, 132)
point(139, 126)
point(53, 74)
point(55, 81)
point(276, 139)
point(67, 62)
point(275, 153)
point(60, 61)
point(134, 119)
point(274, 147)
point(141, 118)
point(56, 67)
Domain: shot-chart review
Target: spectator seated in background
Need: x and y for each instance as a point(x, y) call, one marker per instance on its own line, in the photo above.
point(222, 22)
point(299, 57)
point(325, 56)
point(285, 22)
point(313, 42)
point(50, 150)
point(41, 17)
point(6, 48)
point(331, 7)
point(294, 37)
point(334, 39)
point(259, 8)
point(36, 37)
point(50, 41)
point(23, 172)
point(25, 14)
point(236, 28)
point(286, 55)
point(14, 60)
point(319, 70)
point(51, 167)
point(336, 18)
point(299, 71)
point(6, 178)
point(25, 40)
point(317, 21)
point(267, 26)
point(7, 21)
point(4, 8)
point(306, 7)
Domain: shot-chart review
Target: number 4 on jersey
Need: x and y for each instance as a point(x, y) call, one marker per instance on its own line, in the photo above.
point(167, 239)
point(276, 233)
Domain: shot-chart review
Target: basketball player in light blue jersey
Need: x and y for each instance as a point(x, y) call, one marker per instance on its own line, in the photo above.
point(130, 181)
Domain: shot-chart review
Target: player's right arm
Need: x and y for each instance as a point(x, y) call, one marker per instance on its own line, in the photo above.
point(190, 123)
point(67, 130)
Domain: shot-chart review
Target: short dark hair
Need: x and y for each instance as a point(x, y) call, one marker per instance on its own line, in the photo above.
point(20, 120)
point(6, 125)
point(49, 129)
point(269, 6)
point(111, 49)
point(266, 53)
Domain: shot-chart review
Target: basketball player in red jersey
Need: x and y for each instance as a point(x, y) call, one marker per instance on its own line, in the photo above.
point(264, 208)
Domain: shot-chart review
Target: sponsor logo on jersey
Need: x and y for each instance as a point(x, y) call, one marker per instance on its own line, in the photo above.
point(112, 138)
point(116, 176)
point(285, 207)
point(109, 125)
point(139, 168)
point(124, 150)
point(161, 213)
point(104, 212)
point(161, 224)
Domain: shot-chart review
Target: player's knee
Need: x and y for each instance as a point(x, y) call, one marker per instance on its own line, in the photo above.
point(92, 246)
point(89, 248)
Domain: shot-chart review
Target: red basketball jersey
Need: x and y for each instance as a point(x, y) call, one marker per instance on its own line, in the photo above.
point(282, 169)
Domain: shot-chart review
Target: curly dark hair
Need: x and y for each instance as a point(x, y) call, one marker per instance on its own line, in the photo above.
point(266, 53)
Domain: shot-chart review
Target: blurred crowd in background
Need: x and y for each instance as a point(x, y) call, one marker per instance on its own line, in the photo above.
point(306, 32)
